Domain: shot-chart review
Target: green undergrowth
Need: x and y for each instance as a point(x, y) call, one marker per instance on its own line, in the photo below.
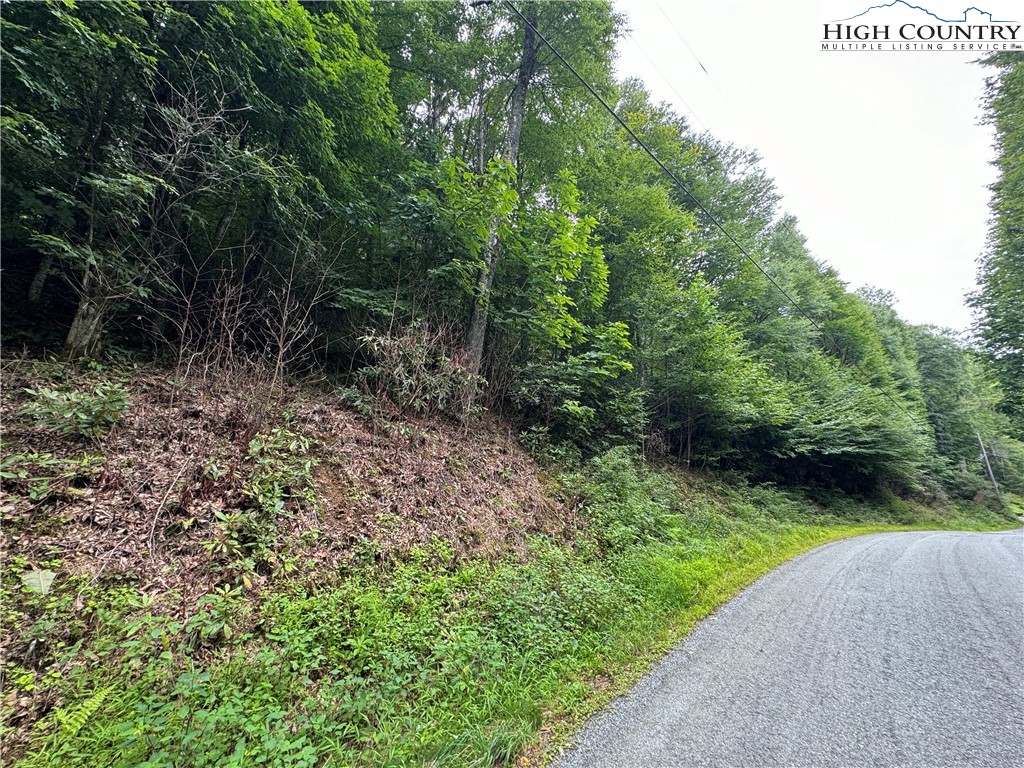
point(428, 661)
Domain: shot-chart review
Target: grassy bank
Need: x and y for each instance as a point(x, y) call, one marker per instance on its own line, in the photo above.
point(427, 659)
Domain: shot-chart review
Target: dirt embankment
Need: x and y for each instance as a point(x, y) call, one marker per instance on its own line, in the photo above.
point(146, 503)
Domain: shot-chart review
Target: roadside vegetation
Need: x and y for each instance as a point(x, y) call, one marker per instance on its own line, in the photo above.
point(190, 581)
point(369, 399)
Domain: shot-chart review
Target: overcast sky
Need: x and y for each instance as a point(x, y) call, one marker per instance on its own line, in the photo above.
point(880, 155)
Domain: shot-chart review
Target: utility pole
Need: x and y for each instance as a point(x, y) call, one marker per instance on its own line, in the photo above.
point(991, 476)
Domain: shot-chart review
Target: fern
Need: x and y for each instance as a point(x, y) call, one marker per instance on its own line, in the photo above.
point(71, 720)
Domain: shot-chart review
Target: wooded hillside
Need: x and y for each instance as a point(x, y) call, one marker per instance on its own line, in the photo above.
point(411, 196)
point(371, 397)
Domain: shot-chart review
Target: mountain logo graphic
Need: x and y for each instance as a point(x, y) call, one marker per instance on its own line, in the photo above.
point(904, 4)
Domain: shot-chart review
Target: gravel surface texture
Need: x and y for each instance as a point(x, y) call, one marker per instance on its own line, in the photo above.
point(899, 649)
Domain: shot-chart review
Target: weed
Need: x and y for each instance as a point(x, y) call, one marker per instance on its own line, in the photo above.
point(282, 470)
point(213, 623)
point(39, 476)
point(71, 720)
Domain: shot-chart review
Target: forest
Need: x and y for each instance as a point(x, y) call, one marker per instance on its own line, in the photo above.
point(373, 396)
point(336, 186)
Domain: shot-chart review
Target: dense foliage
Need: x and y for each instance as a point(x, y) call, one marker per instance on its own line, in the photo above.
point(427, 662)
point(274, 186)
point(1001, 298)
point(417, 201)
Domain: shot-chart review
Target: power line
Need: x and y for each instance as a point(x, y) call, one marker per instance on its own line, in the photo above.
point(667, 81)
point(697, 202)
point(692, 53)
point(725, 100)
point(680, 36)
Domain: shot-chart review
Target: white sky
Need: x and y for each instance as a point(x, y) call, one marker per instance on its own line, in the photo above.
point(880, 155)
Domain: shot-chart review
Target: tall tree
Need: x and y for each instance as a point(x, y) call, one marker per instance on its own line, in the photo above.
point(1000, 300)
point(76, 83)
point(481, 307)
point(116, 114)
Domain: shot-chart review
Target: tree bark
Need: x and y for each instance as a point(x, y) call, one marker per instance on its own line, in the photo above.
point(86, 330)
point(481, 130)
point(481, 307)
point(35, 289)
point(991, 475)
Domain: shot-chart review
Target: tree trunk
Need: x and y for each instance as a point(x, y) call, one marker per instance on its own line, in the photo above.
point(526, 71)
point(35, 289)
point(481, 307)
point(689, 437)
point(83, 338)
point(991, 475)
point(478, 325)
point(481, 130)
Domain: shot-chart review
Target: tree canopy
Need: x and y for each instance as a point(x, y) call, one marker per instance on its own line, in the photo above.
point(1000, 300)
point(276, 183)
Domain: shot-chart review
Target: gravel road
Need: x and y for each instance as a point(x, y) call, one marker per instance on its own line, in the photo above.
point(898, 649)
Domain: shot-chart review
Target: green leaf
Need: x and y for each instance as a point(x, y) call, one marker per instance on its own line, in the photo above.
point(38, 581)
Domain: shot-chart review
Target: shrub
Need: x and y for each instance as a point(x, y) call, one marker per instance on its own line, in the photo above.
point(586, 399)
point(414, 372)
point(281, 474)
point(627, 503)
point(282, 470)
point(85, 414)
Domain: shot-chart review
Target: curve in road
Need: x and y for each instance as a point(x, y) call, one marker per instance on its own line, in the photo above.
point(901, 649)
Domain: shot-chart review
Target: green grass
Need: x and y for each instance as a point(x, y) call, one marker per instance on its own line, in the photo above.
point(424, 662)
